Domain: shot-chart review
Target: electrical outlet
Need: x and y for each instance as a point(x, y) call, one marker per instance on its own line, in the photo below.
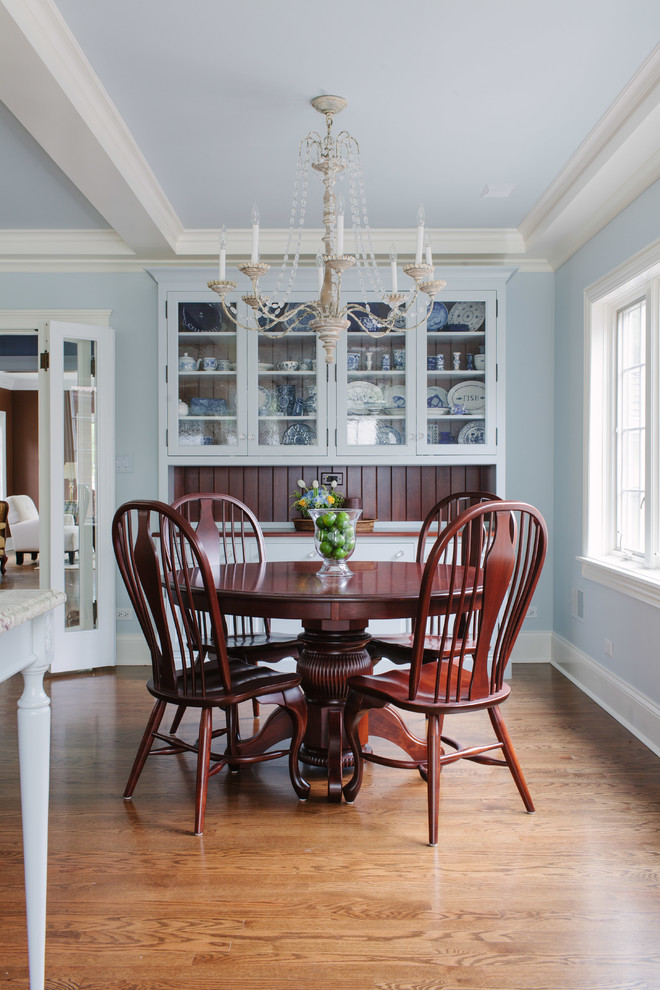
point(327, 477)
point(533, 612)
point(609, 647)
point(124, 614)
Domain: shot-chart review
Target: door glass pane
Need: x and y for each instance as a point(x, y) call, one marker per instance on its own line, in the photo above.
point(80, 481)
point(207, 393)
point(376, 399)
point(287, 393)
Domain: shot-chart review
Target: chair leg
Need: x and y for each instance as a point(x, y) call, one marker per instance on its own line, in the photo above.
point(19, 557)
point(203, 763)
point(176, 721)
point(295, 705)
point(155, 719)
point(510, 756)
point(433, 731)
point(3, 563)
point(353, 712)
point(255, 708)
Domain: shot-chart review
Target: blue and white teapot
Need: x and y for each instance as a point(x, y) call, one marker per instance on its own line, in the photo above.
point(187, 363)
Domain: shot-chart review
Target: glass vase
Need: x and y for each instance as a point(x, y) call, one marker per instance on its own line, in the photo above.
point(334, 537)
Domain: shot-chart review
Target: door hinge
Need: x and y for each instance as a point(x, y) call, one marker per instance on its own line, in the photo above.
point(92, 367)
point(166, 374)
point(497, 372)
point(497, 436)
point(497, 307)
point(166, 309)
point(44, 361)
point(167, 438)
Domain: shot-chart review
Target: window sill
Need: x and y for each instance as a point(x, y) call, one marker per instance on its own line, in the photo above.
point(628, 579)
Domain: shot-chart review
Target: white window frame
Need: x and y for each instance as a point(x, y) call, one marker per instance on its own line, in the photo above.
point(601, 562)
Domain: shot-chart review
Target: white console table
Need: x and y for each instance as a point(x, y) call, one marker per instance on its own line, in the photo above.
point(26, 646)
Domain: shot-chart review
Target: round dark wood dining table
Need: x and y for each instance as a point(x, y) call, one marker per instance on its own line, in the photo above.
point(334, 612)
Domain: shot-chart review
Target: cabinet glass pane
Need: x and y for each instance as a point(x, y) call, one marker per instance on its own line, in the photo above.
point(376, 401)
point(456, 373)
point(206, 376)
point(287, 392)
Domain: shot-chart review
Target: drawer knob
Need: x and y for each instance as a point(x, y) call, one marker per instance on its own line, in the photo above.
point(399, 553)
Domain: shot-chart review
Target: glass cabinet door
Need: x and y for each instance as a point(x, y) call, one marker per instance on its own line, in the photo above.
point(203, 364)
point(374, 406)
point(457, 363)
point(287, 391)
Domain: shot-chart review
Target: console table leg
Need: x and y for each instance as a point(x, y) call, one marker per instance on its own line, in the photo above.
point(34, 758)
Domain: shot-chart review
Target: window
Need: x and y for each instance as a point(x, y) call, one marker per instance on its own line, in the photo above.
point(622, 467)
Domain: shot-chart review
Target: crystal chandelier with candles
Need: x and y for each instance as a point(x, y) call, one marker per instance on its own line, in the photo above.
point(327, 316)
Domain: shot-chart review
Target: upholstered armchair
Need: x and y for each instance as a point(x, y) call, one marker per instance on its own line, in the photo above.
point(24, 526)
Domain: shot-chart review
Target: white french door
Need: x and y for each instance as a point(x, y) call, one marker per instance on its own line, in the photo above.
point(77, 489)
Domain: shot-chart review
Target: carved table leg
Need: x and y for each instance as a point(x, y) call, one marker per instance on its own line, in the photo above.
point(326, 661)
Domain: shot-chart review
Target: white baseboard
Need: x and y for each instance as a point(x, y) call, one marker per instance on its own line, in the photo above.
point(639, 714)
point(132, 651)
point(533, 647)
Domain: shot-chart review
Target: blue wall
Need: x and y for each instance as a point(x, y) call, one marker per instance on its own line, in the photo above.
point(632, 626)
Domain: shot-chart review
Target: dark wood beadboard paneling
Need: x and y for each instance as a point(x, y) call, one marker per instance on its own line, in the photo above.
point(388, 493)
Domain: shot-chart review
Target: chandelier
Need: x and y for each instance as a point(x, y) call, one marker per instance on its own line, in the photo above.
point(327, 316)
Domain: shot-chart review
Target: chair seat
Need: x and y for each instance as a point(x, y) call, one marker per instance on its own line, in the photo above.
point(247, 682)
point(397, 648)
point(393, 687)
point(275, 646)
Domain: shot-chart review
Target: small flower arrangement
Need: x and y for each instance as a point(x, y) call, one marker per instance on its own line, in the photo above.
point(316, 497)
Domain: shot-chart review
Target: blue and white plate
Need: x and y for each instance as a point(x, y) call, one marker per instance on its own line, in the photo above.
point(437, 318)
point(473, 432)
point(470, 314)
point(361, 394)
point(299, 322)
point(470, 395)
point(264, 398)
point(299, 434)
point(388, 435)
point(395, 397)
point(436, 397)
point(202, 317)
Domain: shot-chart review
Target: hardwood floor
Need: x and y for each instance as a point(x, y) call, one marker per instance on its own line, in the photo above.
point(313, 896)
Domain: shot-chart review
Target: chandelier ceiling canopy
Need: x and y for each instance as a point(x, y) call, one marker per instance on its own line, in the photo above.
point(331, 157)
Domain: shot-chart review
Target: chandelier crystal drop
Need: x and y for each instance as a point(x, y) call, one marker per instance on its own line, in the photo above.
point(327, 316)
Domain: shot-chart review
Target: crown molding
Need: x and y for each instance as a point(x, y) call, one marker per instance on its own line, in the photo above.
point(45, 243)
point(615, 163)
point(61, 101)
point(26, 320)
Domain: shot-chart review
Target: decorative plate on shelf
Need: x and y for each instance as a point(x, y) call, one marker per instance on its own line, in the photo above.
point(387, 434)
point(299, 434)
point(470, 395)
point(438, 317)
point(361, 395)
point(395, 397)
point(473, 432)
point(470, 314)
point(436, 397)
point(299, 322)
point(202, 317)
point(264, 398)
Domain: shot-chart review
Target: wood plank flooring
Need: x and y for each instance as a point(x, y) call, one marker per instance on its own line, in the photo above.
point(290, 896)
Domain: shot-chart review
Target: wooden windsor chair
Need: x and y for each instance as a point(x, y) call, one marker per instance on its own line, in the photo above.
point(505, 544)
point(170, 584)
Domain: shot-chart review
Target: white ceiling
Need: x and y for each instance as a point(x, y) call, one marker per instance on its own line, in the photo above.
point(132, 130)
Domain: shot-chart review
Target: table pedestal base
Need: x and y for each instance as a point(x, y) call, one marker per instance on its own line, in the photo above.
point(327, 660)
